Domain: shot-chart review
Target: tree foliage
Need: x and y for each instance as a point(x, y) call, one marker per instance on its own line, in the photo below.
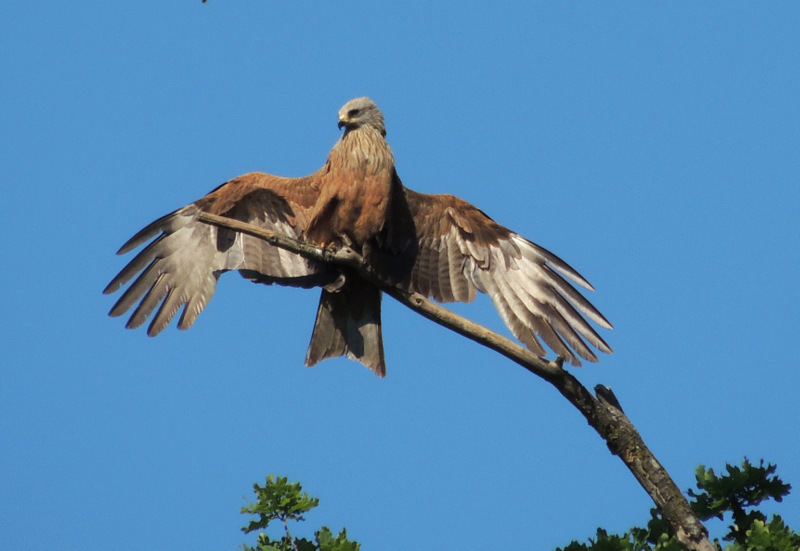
point(734, 493)
point(284, 501)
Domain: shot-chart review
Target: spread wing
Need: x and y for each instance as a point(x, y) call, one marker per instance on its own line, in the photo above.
point(460, 250)
point(181, 266)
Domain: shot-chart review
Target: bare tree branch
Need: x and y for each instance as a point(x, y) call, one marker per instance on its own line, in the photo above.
point(602, 412)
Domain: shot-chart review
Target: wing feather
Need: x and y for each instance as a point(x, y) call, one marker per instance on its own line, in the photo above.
point(461, 251)
point(135, 292)
point(181, 266)
point(152, 298)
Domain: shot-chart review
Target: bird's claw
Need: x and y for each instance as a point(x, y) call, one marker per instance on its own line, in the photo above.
point(346, 241)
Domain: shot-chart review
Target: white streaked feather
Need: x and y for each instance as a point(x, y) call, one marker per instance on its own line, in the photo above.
point(181, 267)
point(524, 282)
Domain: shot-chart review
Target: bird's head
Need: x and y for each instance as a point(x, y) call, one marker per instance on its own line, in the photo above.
point(361, 112)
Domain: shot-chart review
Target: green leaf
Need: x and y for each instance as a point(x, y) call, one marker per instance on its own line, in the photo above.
point(740, 489)
point(327, 542)
point(772, 536)
point(278, 499)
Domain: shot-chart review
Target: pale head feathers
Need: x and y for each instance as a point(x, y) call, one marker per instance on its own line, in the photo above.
point(360, 112)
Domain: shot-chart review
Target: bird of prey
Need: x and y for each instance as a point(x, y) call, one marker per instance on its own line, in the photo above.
point(437, 245)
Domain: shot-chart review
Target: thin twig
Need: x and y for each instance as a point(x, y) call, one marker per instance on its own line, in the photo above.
point(288, 534)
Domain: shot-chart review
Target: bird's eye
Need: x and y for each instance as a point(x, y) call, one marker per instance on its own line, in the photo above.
point(352, 113)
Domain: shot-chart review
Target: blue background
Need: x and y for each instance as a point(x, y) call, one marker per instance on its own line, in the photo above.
point(656, 147)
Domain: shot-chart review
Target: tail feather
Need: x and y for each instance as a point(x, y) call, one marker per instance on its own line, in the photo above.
point(349, 324)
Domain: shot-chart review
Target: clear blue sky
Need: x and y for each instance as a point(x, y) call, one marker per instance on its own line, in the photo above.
point(654, 147)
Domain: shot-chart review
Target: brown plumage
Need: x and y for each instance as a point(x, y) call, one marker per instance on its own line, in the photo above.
point(436, 245)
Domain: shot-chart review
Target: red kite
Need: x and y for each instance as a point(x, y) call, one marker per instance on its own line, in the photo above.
point(436, 245)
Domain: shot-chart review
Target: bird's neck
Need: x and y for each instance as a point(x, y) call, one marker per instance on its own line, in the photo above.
point(363, 150)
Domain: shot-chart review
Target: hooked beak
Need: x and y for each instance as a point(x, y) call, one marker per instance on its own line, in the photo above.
point(341, 124)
